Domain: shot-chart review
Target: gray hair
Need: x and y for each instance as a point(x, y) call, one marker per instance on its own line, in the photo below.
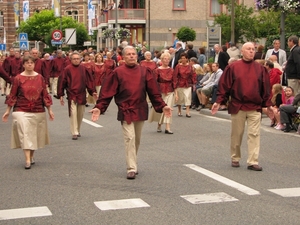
point(128, 47)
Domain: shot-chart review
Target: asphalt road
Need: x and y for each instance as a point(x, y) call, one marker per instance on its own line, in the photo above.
point(71, 177)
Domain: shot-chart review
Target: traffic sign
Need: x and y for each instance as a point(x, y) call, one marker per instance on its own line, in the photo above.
point(24, 45)
point(57, 35)
point(2, 47)
point(23, 37)
point(53, 42)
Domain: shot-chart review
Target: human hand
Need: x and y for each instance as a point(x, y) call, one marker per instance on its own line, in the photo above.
point(51, 115)
point(215, 107)
point(62, 100)
point(95, 114)
point(95, 96)
point(167, 110)
point(5, 116)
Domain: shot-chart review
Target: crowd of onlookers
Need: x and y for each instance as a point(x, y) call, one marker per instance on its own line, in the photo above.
point(284, 72)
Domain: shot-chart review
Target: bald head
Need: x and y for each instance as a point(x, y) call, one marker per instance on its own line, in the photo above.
point(248, 51)
point(273, 58)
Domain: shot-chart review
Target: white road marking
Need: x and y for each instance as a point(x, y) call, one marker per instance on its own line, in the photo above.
point(121, 204)
point(215, 118)
point(209, 198)
point(224, 180)
point(287, 192)
point(91, 123)
point(9, 214)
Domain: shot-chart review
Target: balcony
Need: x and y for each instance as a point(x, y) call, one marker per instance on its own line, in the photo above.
point(126, 16)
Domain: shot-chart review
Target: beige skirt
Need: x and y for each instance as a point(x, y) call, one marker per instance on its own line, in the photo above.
point(184, 96)
point(29, 130)
point(160, 117)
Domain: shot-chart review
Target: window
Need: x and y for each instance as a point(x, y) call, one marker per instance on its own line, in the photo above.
point(215, 7)
point(1, 19)
point(73, 14)
point(179, 5)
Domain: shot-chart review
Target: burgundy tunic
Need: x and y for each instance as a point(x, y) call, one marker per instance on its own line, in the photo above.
point(6, 64)
point(16, 66)
point(29, 94)
point(38, 63)
point(129, 85)
point(46, 70)
point(149, 64)
point(75, 79)
point(90, 66)
point(185, 76)
point(99, 74)
point(4, 75)
point(109, 65)
point(248, 84)
point(166, 79)
point(58, 64)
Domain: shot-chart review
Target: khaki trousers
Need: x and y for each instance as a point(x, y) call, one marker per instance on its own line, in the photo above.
point(238, 120)
point(132, 137)
point(76, 117)
point(2, 85)
point(295, 84)
point(53, 85)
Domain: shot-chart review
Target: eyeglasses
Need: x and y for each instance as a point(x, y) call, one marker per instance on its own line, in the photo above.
point(76, 59)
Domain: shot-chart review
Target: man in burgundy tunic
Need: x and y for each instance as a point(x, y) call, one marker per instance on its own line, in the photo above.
point(248, 84)
point(129, 84)
point(38, 63)
point(7, 67)
point(47, 69)
point(58, 64)
point(75, 79)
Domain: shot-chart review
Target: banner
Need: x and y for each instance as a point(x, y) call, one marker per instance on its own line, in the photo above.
point(25, 10)
point(17, 13)
point(91, 15)
point(56, 7)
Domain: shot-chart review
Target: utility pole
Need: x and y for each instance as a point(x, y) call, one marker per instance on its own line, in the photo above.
point(116, 20)
point(232, 37)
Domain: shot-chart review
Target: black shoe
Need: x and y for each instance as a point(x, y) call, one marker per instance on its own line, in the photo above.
point(255, 168)
point(287, 128)
point(168, 132)
point(131, 175)
point(27, 166)
point(188, 116)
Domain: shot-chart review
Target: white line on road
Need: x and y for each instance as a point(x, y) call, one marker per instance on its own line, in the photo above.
point(121, 204)
point(209, 198)
point(287, 192)
point(91, 123)
point(224, 180)
point(9, 214)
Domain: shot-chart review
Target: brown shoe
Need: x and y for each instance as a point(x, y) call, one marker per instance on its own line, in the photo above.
point(131, 175)
point(255, 168)
point(74, 137)
point(235, 164)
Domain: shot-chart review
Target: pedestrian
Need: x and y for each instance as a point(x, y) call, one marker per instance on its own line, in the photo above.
point(28, 98)
point(248, 84)
point(129, 85)
point(75, 80)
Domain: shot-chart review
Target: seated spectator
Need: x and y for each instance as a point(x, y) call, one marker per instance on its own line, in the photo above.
point(205, 92)
point(207, 73)
point(288, 96)
point(259, 53)
point(199, 75)
point(287, 111)
point(273, 59)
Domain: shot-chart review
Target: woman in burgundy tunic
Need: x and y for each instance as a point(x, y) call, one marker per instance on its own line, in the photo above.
point(186, 78)
point(109, 64)
point(148, 62)
point(99, 72)
point(167, 83)
point(29, 97)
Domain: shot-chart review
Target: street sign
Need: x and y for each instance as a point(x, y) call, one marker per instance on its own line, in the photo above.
point(70, 36)
point(23, 37)
point(53, 42)
point(24, 45)
point(87, 43)
point(57, 35)
point(2, 47)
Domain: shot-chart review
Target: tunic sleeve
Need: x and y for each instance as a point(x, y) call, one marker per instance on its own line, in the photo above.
point(47, 100)
point(11, 99)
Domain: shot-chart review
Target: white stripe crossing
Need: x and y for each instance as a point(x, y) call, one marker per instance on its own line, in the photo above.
point(91, 123)
point(224, 180)
point(9, 214)
point(287, 192)
point(121, 204)
point(209, 198)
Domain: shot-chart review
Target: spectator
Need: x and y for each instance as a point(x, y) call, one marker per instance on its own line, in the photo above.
point(259, 53)
point(202, 57)
point(281, 54)
point(190, 52)
point(233, 51)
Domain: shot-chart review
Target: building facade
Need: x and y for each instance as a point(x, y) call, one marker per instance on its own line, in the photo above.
point(153, 21)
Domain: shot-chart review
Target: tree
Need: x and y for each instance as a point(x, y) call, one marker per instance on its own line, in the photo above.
point(186, 34)
point(244, 24)
point(40, 26)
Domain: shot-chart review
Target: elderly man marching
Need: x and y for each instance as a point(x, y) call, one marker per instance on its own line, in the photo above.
point(129, 84)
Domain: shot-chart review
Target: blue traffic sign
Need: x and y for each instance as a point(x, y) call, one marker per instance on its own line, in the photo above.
point(23, 37)
point(24, 45)
point(56, 42)
point(2, 47)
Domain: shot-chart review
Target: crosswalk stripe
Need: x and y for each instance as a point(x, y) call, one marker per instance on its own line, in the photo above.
point(209, 198)
point(91, 123)
point(9, 214)
point(121, 204)
point(224, 180)
point(287, 192)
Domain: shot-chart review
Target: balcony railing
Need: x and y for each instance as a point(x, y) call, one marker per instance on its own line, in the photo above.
point(123, 14)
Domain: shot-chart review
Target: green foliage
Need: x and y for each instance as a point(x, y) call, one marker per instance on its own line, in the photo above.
point(244, 24)
point(267, 23)
point(40, 26)
point(186, 34)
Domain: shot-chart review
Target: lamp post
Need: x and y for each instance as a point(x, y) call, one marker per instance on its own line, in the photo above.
point(232, 36)
point(282, 26)
point(116, 20)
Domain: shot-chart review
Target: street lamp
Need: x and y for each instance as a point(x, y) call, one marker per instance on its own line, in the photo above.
point(282, 25)
point(116, 20)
